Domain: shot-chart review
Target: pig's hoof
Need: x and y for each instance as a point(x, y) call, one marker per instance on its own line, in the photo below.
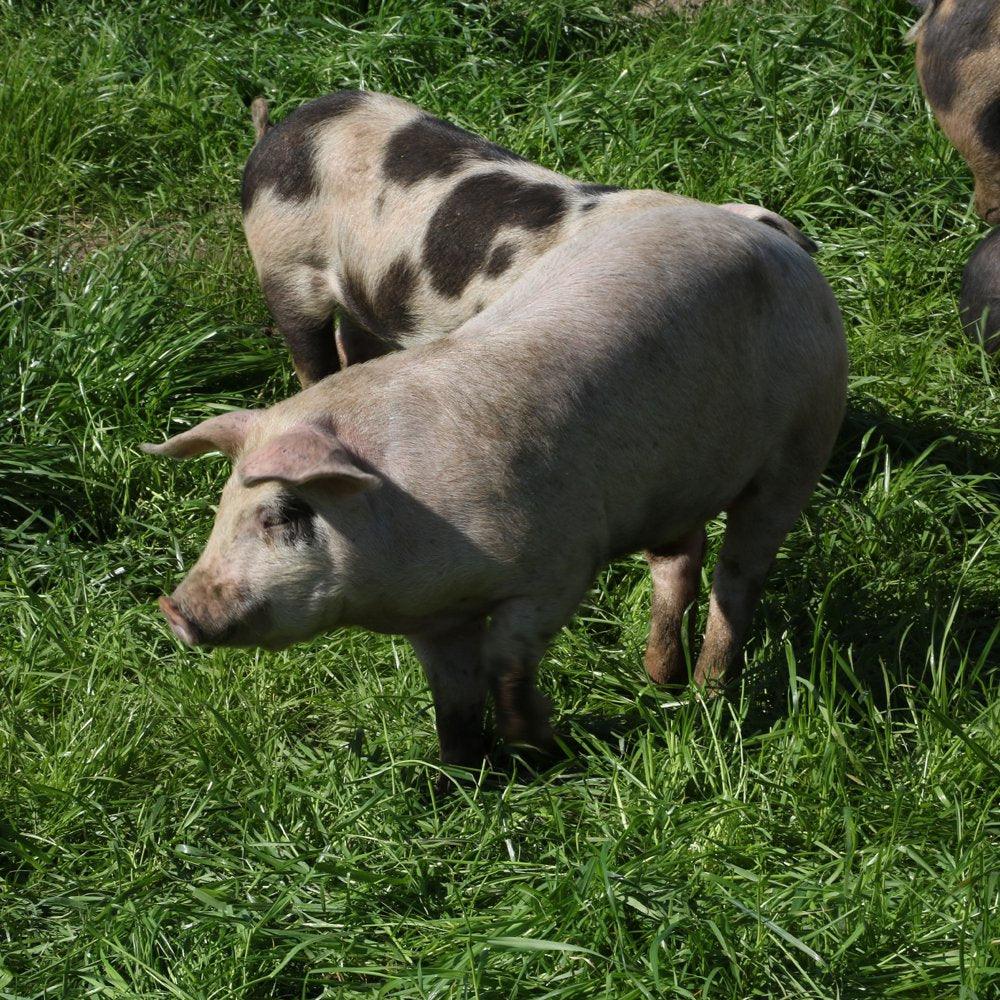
point(716, 684)
point(465, 773)
point(539, 738)
point(540, 747)
point(667, 671)
point(526, 762)
point(672, 682)
point(528, 723)
point(446, 785)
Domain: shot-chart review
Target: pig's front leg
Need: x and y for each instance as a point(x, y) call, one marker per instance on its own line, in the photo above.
point(522, 711)
point(519, 632)
point(453, 665)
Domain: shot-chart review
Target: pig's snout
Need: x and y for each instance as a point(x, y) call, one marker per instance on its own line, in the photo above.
point(183, 628)
point(214, 614)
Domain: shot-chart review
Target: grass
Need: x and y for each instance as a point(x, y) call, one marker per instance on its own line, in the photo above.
point(233, 824)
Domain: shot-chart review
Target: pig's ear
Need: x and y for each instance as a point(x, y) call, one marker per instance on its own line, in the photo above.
point(225, 433)
point(306, 454)
point(775, 221)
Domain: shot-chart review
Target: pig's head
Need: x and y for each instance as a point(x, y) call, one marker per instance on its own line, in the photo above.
point(958, 62)
point(272, 572)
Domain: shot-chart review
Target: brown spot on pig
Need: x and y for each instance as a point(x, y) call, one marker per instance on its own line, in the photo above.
point(501, 259)
point(283, 158)
point(951, 31)
point(429, 147)
point(462, 229)
point(385, 311)
point(597, 189)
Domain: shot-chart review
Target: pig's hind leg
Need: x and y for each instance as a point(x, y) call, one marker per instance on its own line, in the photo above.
point(757, 524)
point(676, 573)
point(453, 665)
point(303, 309)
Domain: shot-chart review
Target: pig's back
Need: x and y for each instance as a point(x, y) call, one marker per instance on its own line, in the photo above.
point(624, 391)
point(646, 371)
point(411, 224)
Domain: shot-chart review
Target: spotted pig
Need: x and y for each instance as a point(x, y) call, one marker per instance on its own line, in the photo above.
point(958, 62)
point(407, 223)
point(636, 381)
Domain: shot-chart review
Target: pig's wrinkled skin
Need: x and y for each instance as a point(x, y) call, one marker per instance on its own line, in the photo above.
point(958, 62)
point(637, 381)
point(404, 223)
point(979, 301)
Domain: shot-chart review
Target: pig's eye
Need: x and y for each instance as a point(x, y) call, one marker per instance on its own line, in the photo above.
point(290, 514)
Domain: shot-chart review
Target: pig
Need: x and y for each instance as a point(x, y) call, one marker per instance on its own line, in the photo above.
point(958, 63)
point(636, 381)
point(406, 223)
point(979, 301)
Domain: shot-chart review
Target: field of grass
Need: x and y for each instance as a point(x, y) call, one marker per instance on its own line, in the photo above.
point(236, 824)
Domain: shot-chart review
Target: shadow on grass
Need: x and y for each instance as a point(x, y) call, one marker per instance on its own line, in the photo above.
point(964, 452)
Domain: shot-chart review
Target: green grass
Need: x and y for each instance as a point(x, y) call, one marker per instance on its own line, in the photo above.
point(233, 824)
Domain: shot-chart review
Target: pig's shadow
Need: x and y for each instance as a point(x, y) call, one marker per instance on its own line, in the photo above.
point(962, 450)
